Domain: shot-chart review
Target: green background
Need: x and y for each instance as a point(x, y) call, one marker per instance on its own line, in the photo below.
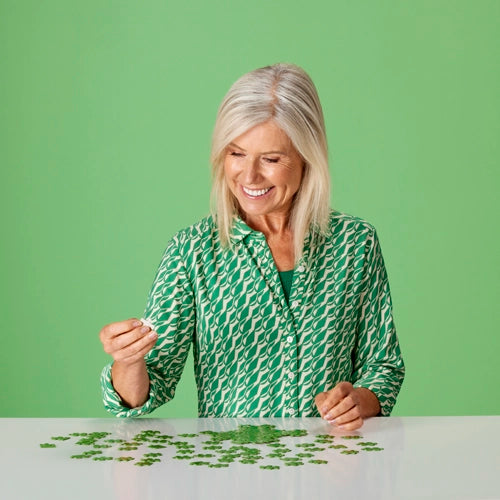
point(107, 109)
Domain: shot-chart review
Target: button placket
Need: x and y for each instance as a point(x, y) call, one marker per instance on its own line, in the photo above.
point(297, 286)
point(290, 340)
point(289, 372)
point(262, 257)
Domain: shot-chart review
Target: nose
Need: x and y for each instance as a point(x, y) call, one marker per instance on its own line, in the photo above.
point(250, 174)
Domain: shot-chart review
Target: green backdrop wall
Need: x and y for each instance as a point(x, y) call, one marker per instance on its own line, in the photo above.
point(107, 109)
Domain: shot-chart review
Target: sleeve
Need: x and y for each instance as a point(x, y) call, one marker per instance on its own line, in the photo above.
point(377, 361)
point(170, 308)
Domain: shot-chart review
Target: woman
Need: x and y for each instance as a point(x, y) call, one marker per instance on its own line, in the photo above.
point(286, 302)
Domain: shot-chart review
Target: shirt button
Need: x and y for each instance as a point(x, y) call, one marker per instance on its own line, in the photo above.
point(291, 375)
point(301, 269)
point(291, 411)
point(295, 304)
point(289, 339)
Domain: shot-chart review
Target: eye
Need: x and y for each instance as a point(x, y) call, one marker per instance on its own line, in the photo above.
point(271, 160)
point(235, 153)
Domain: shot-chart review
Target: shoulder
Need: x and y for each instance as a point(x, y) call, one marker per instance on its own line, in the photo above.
point(347, 234)
point(341, 223)
point(196, 236)
point(351, 234)
point(200, 230)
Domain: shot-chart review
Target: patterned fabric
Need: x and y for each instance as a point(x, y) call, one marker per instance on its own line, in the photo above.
point(255, 355)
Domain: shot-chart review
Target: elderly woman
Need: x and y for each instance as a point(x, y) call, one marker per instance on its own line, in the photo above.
point(285, 301)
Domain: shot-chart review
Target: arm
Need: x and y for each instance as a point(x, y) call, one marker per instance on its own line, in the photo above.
point(378, 368)
point(377, 361)
point(127, 342)
point(131, 382)
point(135, 388)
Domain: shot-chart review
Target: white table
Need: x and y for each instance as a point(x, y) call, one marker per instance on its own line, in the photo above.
point(422, 457)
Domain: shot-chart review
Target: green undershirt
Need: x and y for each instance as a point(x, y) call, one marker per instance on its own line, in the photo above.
point(286, 278)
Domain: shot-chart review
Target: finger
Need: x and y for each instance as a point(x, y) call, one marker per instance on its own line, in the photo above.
point(334, 396)
point(140, 354)
point(340, 408)
point(319, 400)
point(353, 425)
point(113, 329)
point(347, 417)
point(126, 339)
point(137, 349)
point(328, 401)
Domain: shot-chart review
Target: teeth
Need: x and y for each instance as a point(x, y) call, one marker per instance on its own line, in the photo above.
point(256, 192)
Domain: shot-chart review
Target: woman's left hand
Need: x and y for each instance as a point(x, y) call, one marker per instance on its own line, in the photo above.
point(346, 406)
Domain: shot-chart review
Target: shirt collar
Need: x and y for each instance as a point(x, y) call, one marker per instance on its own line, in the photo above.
point(240, 230)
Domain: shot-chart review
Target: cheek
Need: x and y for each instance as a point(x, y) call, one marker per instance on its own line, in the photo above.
point(298, 176)
point(227, 171)
point(229, 174)
point(291, 180)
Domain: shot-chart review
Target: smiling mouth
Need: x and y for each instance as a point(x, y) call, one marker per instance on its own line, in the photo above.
point(255, 193)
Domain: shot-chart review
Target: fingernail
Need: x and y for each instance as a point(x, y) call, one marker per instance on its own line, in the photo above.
point(136, 323)
point(324, 409)
point(145, 329)
point(331, 421)
point(153, 335)
point(328, 417)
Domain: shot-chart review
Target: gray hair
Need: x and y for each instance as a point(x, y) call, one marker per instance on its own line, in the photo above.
point(285, 94)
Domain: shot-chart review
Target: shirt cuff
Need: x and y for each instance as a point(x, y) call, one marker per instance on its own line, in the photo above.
point(114, 403)
point(386, 396)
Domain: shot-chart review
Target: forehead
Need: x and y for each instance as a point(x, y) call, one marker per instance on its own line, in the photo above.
point(266, 136)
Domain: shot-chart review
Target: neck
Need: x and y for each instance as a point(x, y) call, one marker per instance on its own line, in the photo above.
point(272, 226)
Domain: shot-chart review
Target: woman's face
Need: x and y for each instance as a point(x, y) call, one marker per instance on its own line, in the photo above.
point(263, 171)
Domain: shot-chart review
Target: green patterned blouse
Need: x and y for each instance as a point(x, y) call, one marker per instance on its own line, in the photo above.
point(255, 353)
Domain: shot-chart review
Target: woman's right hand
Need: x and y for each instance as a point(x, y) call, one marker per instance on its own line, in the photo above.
point(127, 341)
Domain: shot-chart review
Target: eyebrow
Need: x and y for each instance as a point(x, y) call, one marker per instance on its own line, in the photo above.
point(265, 153)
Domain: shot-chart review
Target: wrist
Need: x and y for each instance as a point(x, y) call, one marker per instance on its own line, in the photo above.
point(128, 365)
point(131, 382)
point(369, 403)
